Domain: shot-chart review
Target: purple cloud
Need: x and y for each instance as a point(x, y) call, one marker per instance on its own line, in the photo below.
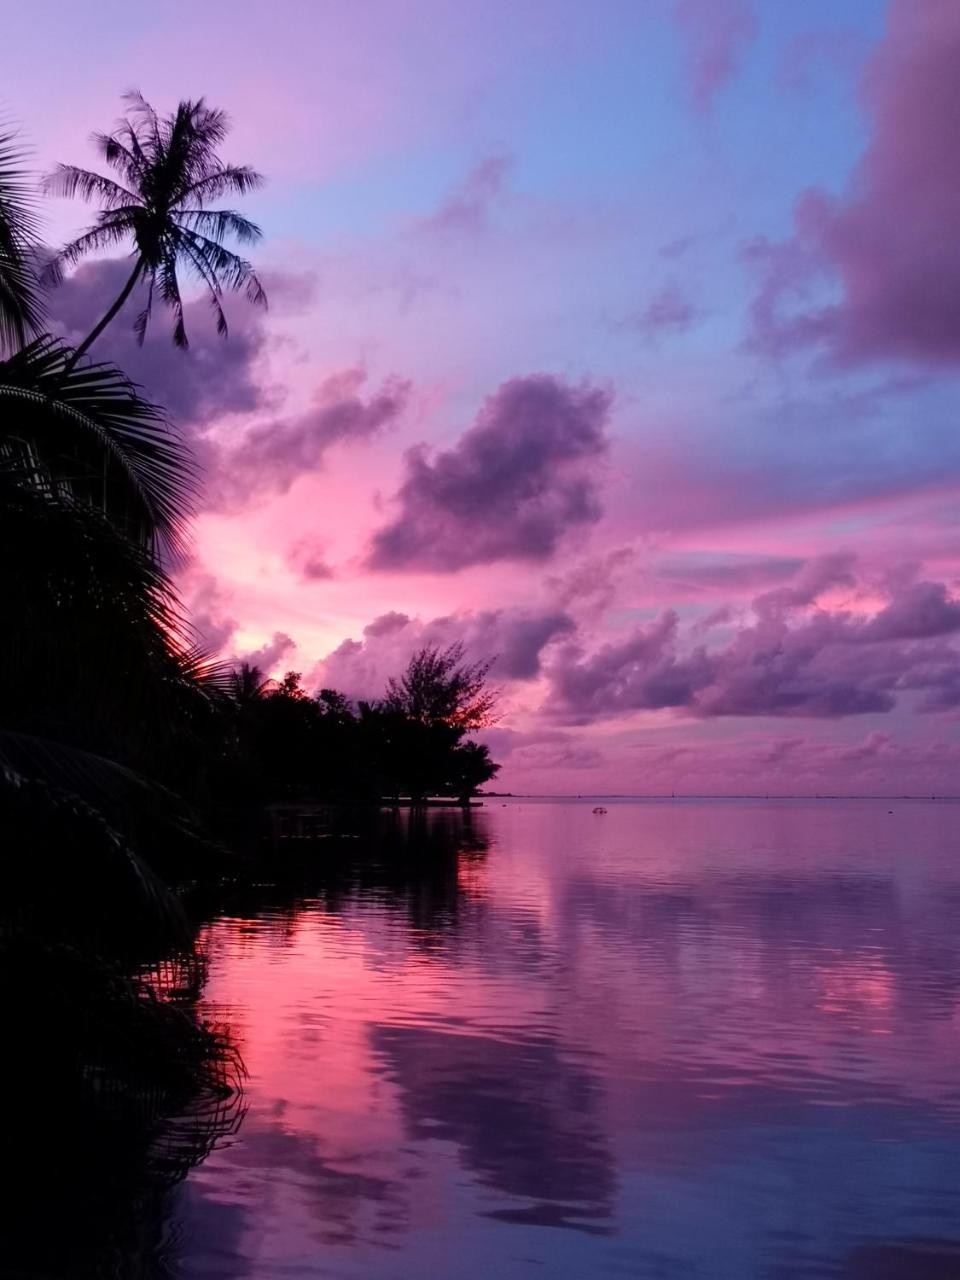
point(796, 659)
point(520, 478)
point(307, 558)
point(213, 377)
point(514, 638)
point(269, 654)
point(207, 605)
point(668, 311)
point(467, 208)
point(890, 243)
point(271, 456)
point(716, 34)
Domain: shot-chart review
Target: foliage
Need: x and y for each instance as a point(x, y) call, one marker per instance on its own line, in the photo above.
point(438, 688)
point(86, 435)
point(21, 312)
point(287, 744)
point(168, 172)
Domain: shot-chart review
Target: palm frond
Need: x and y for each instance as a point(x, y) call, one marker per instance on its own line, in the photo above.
point(89, 430)
point(218, 224)
point(69, 181)
point(104, 236)
point(231, 270)
point(21, 310)
point(225, 179)
point(170, 292)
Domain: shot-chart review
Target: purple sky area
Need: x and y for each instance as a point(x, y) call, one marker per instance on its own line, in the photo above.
point(620, 340)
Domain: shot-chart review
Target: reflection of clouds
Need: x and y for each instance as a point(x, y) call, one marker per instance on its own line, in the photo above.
point(705, 1062)
point(523, 1118)
point(334, 1203)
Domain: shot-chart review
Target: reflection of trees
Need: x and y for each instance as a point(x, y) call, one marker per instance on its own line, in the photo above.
point(408, 860)
point(522, 1116)
point(114, 1092)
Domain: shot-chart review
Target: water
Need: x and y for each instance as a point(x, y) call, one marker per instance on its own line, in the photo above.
point(681, 1039)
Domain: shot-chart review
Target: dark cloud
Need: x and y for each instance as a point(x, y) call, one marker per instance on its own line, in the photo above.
point(522, 476)
point(890, 242)
point(796, 659)
point(214, 377)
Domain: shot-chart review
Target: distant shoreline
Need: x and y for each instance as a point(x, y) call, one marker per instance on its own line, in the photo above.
point(602, 795)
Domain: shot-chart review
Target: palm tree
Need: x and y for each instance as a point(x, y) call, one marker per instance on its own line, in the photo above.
point(248, 685)
point(169, 172)
point(20, 309)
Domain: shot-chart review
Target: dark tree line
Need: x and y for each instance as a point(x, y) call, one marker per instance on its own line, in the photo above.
point(413, 743)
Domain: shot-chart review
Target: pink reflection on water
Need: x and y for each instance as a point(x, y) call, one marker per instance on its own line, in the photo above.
point(565, 1047)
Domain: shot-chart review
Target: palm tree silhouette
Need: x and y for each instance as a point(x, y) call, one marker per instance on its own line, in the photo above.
point(169, 171)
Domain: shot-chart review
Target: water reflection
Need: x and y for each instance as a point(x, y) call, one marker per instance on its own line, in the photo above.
point(683, 1040)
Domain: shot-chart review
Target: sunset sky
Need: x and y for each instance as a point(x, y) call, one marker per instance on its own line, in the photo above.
point(619, 340)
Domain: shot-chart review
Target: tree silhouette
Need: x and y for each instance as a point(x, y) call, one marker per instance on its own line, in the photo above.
point(439, 688)
point(169, 173)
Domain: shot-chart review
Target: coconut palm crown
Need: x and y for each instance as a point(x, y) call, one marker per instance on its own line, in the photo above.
point(169, 173)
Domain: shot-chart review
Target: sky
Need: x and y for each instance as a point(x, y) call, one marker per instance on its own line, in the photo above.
point(617, 342)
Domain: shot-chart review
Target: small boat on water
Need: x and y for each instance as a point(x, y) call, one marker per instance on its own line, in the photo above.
point(599, 809)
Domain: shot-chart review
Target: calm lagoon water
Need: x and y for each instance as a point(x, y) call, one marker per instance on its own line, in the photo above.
point(681, 1039)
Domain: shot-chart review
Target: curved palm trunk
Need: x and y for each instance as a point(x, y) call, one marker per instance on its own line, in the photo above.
point(98, 328)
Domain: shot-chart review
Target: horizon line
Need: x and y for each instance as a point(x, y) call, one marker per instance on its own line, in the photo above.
point(697, 795)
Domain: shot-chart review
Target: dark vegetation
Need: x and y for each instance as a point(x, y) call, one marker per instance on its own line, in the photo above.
point(131, 763)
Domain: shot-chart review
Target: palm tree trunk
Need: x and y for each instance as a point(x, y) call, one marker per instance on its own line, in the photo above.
point(98, 328)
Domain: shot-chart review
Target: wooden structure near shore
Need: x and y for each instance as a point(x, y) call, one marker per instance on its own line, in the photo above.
point(318, 820)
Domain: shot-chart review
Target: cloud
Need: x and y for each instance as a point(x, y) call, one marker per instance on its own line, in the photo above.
point(514, 638)
point(274, 454)
point(889, 246)
point(268, 655)
point(519, 479)
point(796, 658)
point(307, 557)
point(214, 377)
point(668, 311)
point(715, 33)
point(467, 208)
point(207, 605)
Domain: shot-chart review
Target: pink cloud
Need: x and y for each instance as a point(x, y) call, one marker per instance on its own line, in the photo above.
point(716, 34)
point(890, 242)
point(267, 657)
point(271, 456)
